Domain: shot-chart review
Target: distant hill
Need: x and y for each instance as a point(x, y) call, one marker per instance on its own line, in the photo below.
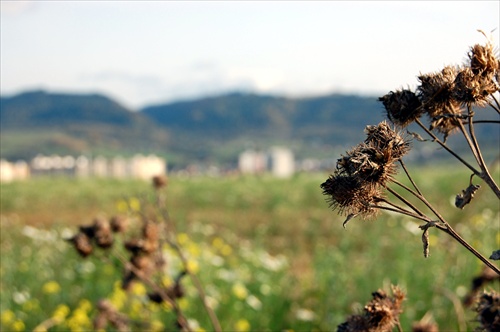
point(42, 122)
point(233, 121)
point(214, 128)
point(42, 109)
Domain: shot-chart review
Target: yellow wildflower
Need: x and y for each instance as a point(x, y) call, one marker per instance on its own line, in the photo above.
point(240, 291)
point(138, 289)
point(136, 309)
point(7, 317)
point(60, 313)
point(157, 325)
point(193, 266)
point(193, 249)
point(242, 325)
point(122, 206)
point(51, 287)
point(79, 320)
point(183, 303)
point(85, 305)
point(182, 239)
point(217, 243)
point(118, 297)
point(18, 325)
point(31, 305)
point(166, 281)
point(135, 204)
point(226, 250)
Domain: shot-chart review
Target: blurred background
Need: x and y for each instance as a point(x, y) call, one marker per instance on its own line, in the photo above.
point(199, 83)
point(246, 105)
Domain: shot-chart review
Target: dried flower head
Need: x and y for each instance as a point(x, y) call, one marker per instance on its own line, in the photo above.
point(350, 196)
point(486, 276)
point(159, 181)
point(380, 314)
point(102, 233)
point(402, 107)
point(151, 234)
point(436, 91)
point(488, 312)
point(119, 224)
point(483, 60)
point(474, 89)
point(82, 244)
point(357, 182)
point(108, 314)
point(389, 142)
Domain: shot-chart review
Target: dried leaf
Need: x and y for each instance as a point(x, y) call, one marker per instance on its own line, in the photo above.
point(425, 241)
point(416, 136)
point(461, 200)
point(495, 255)
point(349, 217)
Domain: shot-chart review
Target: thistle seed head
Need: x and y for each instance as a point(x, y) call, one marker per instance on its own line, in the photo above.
point(436, 91)
point(357, 183)
point(483, 60)
point(474, 89)
point(119, 224)
point(159, 181)
point(488, 312)
point(82, 244)
point(350, 196)
point(402, 107)
point(380, 314)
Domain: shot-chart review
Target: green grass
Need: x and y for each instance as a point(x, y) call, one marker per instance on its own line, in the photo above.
point(323, 270)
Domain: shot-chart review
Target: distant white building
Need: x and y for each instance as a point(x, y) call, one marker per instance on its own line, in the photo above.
point(13, 171)
point(252, 162)
point(139, 166)
point(145, 167)
point(282, 162)
point(278, 161)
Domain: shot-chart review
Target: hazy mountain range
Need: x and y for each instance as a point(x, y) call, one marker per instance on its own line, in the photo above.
point(207, 129)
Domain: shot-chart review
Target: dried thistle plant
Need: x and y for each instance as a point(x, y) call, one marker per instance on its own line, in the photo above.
point(488, 312)
point(379, 315)
point(448, 97)
point(362, 182)
point(142, 259)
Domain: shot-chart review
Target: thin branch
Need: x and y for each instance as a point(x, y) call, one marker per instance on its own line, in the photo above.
point(497, 107)
point(409, 176)
point(402, 211)
point(444, 146)
point(486, 176)
point(197, 283)
point(486, 121)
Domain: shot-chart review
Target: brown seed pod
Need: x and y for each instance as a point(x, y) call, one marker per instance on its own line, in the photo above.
point(159, 181)
point(82, 244)
point(119, 224)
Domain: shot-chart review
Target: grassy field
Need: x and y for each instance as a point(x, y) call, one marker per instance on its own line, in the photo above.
point(269, 252)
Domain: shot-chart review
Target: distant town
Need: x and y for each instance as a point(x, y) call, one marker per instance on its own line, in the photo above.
point(277, 161)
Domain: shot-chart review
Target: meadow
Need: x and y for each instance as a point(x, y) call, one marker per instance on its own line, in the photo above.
point(270, 253)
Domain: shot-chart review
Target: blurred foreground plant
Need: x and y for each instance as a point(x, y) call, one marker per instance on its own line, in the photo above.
point(364, 181)
point(145, 266)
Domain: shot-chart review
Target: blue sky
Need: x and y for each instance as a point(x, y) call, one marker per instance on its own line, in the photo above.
point(143, 53)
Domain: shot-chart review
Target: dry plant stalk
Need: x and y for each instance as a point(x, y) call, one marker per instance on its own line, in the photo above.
point(145, 263)
point(379, 315)
point(359, 185)
point(488, 312)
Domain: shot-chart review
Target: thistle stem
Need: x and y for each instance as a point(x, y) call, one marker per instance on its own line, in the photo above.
point(409, 176)
point(446, 227)
point(485, 172)
point(444, 146)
